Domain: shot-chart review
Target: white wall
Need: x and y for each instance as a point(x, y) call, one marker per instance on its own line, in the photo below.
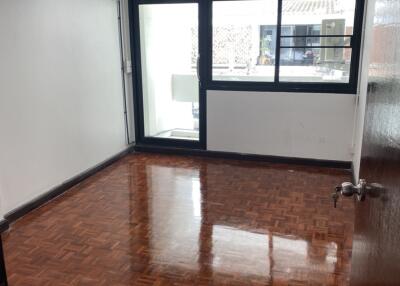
point(363, 87)
point(61, 107)
point(305, 125)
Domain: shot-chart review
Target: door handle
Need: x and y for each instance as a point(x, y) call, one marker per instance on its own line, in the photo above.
point(361, 190)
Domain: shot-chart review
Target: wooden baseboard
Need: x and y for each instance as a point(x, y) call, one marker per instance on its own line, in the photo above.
point(241, 156)
point(59, 190)
point(4, 225)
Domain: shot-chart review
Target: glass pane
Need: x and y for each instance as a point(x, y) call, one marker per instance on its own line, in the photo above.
point(244, 40)
point(315, 41)
point(318, 17)
point(169, 51)
point(330, 65)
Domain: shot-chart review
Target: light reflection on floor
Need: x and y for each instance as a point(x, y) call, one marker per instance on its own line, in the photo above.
point(233, 250)
point(174, 220)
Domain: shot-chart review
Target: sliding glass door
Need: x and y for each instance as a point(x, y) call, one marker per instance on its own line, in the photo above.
point(170, 89)
point(245, 45)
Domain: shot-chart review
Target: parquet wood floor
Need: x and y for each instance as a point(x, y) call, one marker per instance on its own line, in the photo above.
point(171, 220)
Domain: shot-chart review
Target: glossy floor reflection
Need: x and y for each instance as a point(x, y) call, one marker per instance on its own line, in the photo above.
point(171, 220)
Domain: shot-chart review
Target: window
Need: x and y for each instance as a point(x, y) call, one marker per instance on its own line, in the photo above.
point(286, 44)
point(240, 52)
point(169, 55)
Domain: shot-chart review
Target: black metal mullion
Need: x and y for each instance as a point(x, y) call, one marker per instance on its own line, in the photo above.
point(205, 45)
point(316, 47)
point(278, 42)
point(317, 36)
point(208, 49)
point(134, 28)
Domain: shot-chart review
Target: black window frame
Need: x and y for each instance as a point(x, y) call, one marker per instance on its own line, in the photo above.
point(281, 86)
point(138, 105)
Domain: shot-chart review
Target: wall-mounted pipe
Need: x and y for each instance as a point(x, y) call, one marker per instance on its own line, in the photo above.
point(123, 71)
